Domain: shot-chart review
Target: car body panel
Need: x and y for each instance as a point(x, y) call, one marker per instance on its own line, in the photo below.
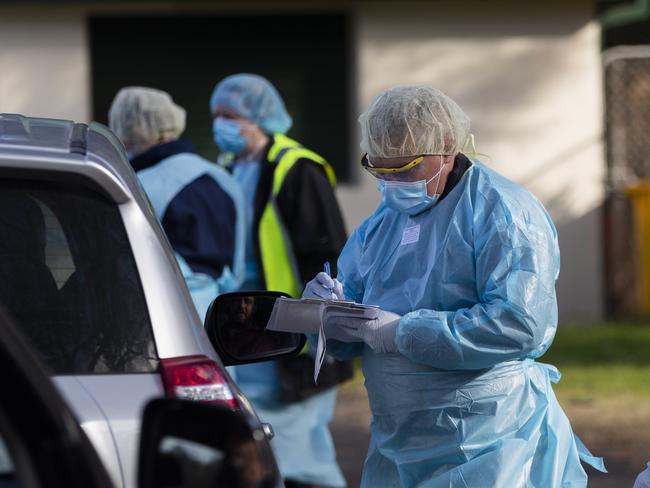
point(169, 304)
point(124, 410)
point(43, 149)
point(42, 440)
point(94, 422)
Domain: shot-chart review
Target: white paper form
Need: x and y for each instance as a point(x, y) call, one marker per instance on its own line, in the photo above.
point(306, 316)
point(321, 351)
point(291, 315)
point(339, 308)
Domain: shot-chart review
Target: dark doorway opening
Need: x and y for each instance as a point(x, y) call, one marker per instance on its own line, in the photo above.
point(305, 56)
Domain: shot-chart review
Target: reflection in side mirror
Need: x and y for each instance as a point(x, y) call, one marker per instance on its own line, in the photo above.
point(236, 325)
point(190, 444)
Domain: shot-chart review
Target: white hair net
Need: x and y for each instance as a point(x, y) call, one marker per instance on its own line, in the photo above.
point(413, 120)
point(140, 115)
point(253, 97)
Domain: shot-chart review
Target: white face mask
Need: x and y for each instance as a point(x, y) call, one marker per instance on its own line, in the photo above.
point(410, 197)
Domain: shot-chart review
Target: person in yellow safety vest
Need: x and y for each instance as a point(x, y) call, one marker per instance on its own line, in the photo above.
point(294, 225)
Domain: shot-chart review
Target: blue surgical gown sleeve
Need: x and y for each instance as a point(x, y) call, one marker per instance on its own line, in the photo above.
point(517, 263)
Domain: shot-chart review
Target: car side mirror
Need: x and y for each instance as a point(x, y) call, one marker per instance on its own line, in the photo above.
point(236, 325)
point(191, 444)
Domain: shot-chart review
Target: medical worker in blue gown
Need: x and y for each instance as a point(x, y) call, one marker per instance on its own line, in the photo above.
point(199, 204)
point(463, 264)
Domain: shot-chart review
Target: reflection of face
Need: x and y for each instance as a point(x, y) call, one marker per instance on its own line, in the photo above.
point(245, 309)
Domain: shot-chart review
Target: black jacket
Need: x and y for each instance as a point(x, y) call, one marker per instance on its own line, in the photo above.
point(309, 212)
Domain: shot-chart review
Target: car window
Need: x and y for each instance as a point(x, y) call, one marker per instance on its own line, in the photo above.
point(57, 252)
point(68, 277)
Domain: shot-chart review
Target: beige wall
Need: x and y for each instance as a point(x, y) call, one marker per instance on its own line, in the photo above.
point(527, 73)
point(44, 64)
point(529, 78)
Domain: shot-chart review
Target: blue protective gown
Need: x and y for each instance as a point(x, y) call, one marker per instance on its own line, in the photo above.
point(162, 182)
point(302, 445)
point(463, 403)
point(248, 175)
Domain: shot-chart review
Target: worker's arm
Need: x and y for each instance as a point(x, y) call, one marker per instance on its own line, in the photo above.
point(517, 262)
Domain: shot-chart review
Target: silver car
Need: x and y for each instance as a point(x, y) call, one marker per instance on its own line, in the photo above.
point(87, 272)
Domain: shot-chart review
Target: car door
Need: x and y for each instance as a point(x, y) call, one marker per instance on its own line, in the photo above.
point(41, 444)
point(68, 277)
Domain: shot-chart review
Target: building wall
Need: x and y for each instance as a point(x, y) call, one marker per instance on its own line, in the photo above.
point(44, 64)
point(529, 78)
point(527, 73)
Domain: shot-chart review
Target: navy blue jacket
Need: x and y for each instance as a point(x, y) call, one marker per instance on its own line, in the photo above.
point(200, 220)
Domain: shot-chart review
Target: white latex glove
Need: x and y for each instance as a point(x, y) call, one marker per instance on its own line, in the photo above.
point(324, 286)
point(378, 333)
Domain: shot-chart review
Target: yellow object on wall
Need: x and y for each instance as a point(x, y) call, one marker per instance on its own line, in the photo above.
point(639, 193)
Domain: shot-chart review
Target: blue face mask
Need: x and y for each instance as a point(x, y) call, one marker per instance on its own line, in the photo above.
point(409, 197)
point(227, 135)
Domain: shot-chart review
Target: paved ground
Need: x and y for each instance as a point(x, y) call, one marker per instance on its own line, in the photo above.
point(618, 428)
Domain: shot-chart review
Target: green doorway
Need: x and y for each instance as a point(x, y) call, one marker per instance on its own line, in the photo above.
point(305, 56)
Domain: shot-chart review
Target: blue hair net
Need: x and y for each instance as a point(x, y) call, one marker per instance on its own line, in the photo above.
point(253, 97)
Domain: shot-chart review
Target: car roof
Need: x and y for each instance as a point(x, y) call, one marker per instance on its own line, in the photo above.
point(30, 144)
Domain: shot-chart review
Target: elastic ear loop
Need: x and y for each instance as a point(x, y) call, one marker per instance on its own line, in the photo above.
point(470, 149)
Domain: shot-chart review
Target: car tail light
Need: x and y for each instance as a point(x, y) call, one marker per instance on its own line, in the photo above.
point(197, 378)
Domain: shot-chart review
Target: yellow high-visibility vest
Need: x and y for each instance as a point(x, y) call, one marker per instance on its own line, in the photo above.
point(276, 252)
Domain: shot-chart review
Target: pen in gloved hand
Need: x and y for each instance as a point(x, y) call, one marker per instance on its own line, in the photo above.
point(323, 286)
point(337, 288)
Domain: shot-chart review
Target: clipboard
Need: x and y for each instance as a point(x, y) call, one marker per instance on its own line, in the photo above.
point(305, 316)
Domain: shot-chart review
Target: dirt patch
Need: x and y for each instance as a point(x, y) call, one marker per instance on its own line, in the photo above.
point(616, 428)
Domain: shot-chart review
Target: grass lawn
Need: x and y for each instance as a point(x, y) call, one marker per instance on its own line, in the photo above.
point(601, 361)
point(605, 391)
